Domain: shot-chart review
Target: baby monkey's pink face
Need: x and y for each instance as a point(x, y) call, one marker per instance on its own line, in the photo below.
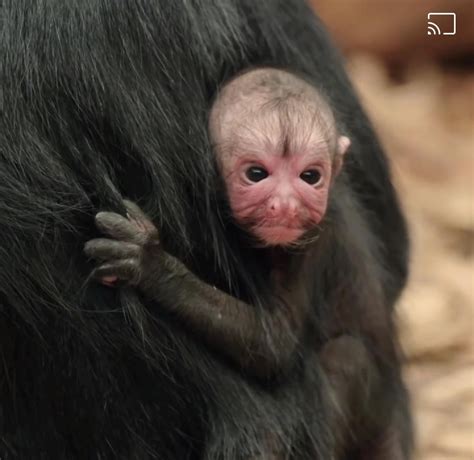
point(278, 160)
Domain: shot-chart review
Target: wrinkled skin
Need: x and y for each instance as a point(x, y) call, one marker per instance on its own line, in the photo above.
point(277, 149)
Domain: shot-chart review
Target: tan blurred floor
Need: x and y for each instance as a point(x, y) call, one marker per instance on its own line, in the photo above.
point(427, 127)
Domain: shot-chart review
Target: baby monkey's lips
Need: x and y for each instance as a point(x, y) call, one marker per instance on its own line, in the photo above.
point(278, 234)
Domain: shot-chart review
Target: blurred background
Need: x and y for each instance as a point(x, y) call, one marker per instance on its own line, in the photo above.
point(418, 90)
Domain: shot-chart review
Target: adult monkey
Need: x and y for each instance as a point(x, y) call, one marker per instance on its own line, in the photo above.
point(104, 99)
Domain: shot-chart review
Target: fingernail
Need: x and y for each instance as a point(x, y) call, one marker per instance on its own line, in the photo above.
point(109, 280)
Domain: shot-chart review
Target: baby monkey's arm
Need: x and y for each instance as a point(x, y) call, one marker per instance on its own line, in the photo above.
point(260, 341)
point(262, 344)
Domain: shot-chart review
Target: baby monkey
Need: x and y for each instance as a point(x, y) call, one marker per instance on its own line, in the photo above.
point(279, 153)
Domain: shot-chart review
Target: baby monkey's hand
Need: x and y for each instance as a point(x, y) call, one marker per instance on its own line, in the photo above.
point(133, 245)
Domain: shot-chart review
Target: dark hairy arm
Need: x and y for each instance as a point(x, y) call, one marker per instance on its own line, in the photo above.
point(260, 340)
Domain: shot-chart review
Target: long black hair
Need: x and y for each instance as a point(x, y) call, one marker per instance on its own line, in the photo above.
point(102, 100)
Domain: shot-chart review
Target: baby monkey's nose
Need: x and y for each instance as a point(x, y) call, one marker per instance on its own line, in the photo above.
point(274, 207)
point(282, 207)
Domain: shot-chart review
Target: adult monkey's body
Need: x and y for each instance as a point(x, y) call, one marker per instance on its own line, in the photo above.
point(279, 153)
point(105, 99)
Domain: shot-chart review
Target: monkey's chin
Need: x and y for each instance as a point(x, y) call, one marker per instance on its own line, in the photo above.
point(279, 235)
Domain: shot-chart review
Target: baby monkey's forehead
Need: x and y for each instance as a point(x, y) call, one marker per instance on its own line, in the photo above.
point(271, 106)
point(280, 133)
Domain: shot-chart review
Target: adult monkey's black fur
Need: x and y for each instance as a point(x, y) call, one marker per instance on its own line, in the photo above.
point(104, 99)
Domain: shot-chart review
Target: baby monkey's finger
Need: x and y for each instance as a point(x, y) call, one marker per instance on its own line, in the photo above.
point(134, 210)
point(109, 281)
point(142, 220)
point(119, 227)
point(105, 249)
point(125, 270)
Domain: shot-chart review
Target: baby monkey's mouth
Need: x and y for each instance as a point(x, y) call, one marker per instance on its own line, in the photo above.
point(278, 234)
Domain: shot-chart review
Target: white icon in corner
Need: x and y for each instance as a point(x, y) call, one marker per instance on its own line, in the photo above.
point(434, 29)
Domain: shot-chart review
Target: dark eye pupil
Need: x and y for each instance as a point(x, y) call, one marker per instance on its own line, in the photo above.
point(311, 176)
point(256, 174)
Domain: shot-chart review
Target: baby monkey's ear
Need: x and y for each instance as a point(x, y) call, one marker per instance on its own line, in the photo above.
point(343, 144)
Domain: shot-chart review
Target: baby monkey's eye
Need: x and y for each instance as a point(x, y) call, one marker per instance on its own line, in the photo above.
point(256, 174)
point(311, 176)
